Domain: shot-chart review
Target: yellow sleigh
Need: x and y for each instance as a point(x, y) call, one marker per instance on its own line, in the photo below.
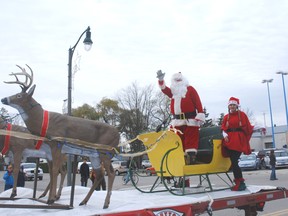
point(168, 160)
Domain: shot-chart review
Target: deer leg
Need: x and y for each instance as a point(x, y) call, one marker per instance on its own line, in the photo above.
point(106, 160)
point(45, 191)
point(56, 156)
point(48, 186)
point(63, 173)
point(51, 179)
point(53, 184)
point(96, 183)
point(111, 177)
point(16, 168)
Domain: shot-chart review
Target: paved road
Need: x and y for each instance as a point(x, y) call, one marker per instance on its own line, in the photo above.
point(261, 177)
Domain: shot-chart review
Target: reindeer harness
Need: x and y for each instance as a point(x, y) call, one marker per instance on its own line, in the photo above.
point(7, 139)
point(44, 128)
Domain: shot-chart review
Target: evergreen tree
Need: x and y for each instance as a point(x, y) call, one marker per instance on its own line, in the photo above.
point(208, 122)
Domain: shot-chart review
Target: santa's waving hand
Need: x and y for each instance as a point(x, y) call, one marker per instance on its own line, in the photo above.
point(187, 111)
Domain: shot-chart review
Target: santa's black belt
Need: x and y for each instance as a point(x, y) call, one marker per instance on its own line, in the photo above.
point(234, 130)
point(185, 115)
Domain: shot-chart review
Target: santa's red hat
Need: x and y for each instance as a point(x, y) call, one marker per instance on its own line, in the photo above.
point(234, 100)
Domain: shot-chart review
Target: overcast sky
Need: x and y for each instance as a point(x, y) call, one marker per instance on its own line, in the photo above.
point(224, 48)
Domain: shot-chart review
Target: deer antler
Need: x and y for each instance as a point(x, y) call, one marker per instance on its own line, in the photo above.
point(28, 78)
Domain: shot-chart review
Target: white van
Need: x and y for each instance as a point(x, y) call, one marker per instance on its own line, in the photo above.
point(119, 166)
point(281, 158)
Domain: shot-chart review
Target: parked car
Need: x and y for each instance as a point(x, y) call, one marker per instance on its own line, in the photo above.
point(150, 171)
point(281, 158)
point(247, 162)
point(280, 154)
point(145, 164)
point(119, 167)
point(29, 171)
point(263, 156)
point(80, 163)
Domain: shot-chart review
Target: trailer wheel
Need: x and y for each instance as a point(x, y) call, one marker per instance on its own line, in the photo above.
point(250, 210)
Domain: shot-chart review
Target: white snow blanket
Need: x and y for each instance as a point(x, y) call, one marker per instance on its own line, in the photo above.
point(121, 200)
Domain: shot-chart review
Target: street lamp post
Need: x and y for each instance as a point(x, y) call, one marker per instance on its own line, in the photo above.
point(87, 45)
point(284, 91)
point(272, 125)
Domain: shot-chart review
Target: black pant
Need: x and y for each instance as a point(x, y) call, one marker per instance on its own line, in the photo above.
point(84, 181)
point(234, 157)
point(102, 185)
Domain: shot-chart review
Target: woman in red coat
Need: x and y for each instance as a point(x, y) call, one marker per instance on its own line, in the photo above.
point(237, 131)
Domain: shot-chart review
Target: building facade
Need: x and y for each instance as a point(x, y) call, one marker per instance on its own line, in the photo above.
point(263, 139)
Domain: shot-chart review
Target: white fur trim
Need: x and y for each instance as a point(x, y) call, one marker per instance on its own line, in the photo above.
point(178, 122)
point(193, 122)
point(200, 117)
point(188, 122)
point(163, 86)
point(177, 105)
point(191, 150)
point(233, 102)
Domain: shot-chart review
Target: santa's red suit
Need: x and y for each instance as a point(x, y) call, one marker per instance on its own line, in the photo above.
point(187, 111)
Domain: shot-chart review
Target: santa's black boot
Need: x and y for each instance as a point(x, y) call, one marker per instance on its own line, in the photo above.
point(192, 157)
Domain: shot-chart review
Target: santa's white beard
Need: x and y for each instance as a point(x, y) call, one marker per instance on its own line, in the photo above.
point(179, 89)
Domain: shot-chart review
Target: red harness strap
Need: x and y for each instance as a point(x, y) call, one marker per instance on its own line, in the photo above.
point(44, 128)
point(7, 140)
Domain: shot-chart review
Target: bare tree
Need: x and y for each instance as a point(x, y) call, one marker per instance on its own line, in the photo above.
point(250, 115)
point(161, 110)
point(136, 104)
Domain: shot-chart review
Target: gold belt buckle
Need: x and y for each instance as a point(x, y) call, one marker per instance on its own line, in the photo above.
point(182, 116)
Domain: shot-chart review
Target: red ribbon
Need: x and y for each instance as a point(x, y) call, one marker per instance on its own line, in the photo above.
point(44, 128)
point(7, 140)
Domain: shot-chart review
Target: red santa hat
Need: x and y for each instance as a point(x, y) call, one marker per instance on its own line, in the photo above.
point(234, 101)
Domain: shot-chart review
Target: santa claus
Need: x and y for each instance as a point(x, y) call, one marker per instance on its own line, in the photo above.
point(187, 111)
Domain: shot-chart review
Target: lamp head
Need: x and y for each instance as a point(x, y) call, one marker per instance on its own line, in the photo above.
point(267, 81)
point(87, 41)
point(280, 72)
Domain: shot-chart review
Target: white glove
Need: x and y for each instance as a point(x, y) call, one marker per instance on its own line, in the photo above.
point(200, 117)
point(224, 134)
point(160, 75)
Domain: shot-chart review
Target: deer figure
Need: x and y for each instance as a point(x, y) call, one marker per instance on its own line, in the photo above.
point(58, 125)
point(23, 148)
